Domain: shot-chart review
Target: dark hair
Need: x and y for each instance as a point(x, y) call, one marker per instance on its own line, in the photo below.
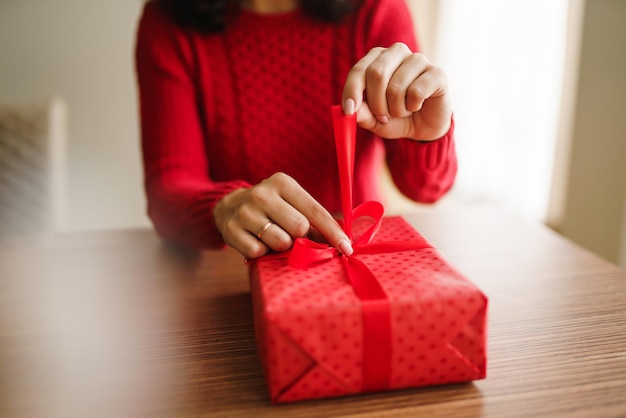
point(211, 16)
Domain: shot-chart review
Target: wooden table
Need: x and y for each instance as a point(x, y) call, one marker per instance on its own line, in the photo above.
point(116, 324)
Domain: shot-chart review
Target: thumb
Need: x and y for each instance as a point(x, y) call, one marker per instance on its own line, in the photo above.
point(366, 119)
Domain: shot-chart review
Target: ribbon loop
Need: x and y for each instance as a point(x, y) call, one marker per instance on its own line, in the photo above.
point(373, 210)
point(306, 252)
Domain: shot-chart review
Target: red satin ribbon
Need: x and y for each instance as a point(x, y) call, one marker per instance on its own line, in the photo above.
point(375, 305)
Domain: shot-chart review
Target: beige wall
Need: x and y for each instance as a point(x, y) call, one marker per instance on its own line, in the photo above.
point(594, 210)
point(82, 50)
point(425, 15)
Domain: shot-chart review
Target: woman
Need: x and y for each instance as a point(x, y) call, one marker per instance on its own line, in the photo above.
point(236, 129)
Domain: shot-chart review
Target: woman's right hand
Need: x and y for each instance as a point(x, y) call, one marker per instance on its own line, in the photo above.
point(243, 216)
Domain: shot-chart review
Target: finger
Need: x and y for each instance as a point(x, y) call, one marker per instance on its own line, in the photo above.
point(236, 236)
point(355, 82)
point(366, 119)
point(289, 218)
point(289, 224)
point(316, 214)
point(324, 223)
point(409, 70)
point(266, 205)
point(377, 78)
point(268, 197)
point(274, 236)
point(431, 83)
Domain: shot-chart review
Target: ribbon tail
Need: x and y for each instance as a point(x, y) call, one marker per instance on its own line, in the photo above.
point(376, 316)
point(345, 142)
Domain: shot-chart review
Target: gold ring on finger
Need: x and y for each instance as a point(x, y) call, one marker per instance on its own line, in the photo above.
point(264, 229)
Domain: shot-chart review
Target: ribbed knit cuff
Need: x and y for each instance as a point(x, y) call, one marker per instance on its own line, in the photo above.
point(199, 229)
point(423, 170)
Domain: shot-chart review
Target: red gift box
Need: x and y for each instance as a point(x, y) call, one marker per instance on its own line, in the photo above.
point(392, 315)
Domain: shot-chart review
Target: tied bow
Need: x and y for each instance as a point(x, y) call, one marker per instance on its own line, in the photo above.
point(376, 310)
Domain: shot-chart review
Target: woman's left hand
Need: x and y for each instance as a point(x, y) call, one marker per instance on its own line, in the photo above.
point(406, 96)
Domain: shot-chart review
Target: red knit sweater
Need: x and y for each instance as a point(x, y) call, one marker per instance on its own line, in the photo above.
point(224, 111)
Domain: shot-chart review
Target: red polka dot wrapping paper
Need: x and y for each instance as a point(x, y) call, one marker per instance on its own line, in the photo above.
point(309, 322)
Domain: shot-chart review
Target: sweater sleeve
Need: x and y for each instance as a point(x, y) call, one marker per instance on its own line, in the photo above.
point(181, 196)
point(422, 171)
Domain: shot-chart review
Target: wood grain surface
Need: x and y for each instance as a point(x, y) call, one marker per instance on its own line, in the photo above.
point(117, 324)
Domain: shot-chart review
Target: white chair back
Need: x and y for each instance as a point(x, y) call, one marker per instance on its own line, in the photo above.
point(33, 141)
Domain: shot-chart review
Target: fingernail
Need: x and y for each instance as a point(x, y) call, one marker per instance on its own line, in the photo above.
point(348, 107)
point(382, 119)
point(345, 247)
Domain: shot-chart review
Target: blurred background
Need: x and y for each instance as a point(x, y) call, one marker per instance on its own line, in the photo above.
point(539, 92)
